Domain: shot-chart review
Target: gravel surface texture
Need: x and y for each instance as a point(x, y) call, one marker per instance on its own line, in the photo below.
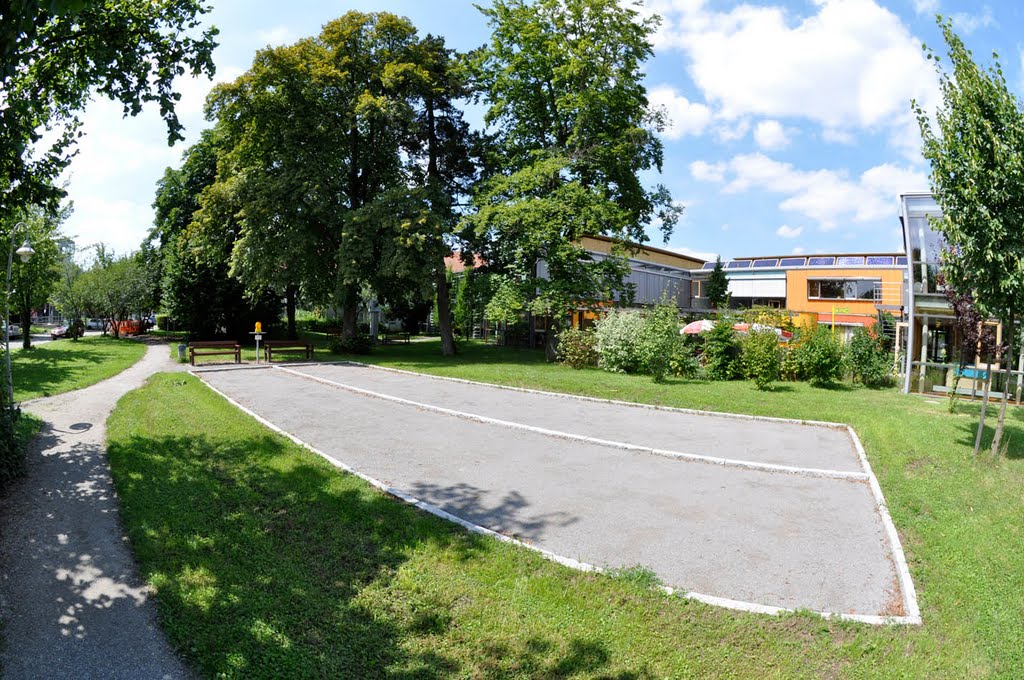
point(768, 538)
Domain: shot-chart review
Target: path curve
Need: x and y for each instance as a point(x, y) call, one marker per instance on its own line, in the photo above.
point(71, 599)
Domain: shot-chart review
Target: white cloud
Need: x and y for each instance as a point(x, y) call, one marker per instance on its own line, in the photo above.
point(852, 65)
point(838, 136)
point(770, 135)
point(732, 132)
point(684, 117)
point(799, 250)
point(708, 172)
point(786, 231)
point(966, 23)
point(829, 197)
point(926, 6)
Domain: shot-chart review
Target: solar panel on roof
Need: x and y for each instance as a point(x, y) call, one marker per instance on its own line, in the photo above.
point(792, 262)
point(767, 262)
point(738, 264)
point(901, 260)
point(880, 260)
point(708, 265)
point(821, 261)
point(850, 260)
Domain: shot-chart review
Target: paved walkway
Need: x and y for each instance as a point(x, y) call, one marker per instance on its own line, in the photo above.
point(762, 513)
point(71, 602)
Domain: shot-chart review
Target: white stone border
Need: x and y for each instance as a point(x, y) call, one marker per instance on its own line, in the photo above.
point(911, 610)
point(678, 455)
point(909, 597)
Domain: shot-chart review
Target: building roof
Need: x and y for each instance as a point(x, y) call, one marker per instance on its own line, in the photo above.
point(645, 252)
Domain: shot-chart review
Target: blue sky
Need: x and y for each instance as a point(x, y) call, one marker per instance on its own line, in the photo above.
point(791, 126)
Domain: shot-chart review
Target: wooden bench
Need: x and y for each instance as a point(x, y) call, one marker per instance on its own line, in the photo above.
point(214, 347)
point(388, 337)
point(271, 346)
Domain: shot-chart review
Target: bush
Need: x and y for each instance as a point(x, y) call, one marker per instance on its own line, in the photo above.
point(822, 357)
point(163, 322)
point(789, 368)
point(360, 344)
point(659, 340)
point(721, 351)
point(761, 358)
point(12, 449)
point(870, 363)
point(577, 348)
point(683, 362)
point(617, 341)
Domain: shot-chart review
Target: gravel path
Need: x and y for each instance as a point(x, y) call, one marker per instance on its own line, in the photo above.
point(71, 602)
point(520, 465)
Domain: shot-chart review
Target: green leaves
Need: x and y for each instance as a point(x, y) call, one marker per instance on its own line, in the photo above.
point(128, 51)
point(978, 179)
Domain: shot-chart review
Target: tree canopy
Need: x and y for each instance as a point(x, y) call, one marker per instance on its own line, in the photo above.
point(58, 54)
point(572, 131)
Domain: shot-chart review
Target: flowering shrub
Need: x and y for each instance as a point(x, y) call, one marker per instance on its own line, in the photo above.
point(617, 341)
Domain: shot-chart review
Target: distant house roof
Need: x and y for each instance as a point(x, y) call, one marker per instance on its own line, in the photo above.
point(456, 265)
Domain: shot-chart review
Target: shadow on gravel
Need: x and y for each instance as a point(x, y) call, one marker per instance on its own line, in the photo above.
point(508, 516)
point(267, 565)
point(74, 584)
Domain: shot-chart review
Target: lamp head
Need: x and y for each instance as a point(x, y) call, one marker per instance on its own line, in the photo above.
point(25, 252)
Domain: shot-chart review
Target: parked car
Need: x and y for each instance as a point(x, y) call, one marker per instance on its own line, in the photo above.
point(61, 332)
point(94, 324)
point(15, 331)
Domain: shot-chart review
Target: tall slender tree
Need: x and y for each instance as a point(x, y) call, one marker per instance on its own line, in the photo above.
point(977, 177)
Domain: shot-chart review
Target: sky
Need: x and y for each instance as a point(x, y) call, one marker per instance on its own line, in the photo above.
point(791, 129)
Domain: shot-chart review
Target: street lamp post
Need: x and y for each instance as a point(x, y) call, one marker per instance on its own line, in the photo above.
point(24, 252)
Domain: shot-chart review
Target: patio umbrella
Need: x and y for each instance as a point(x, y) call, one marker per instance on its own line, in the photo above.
point(695, 327)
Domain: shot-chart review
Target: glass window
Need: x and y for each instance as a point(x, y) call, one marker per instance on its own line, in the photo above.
point(842, 289)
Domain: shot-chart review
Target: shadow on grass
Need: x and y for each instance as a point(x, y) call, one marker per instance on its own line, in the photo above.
point(267, 565)
point(1013, 434)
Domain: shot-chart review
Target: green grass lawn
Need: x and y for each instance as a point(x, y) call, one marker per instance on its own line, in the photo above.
point(268, 562)
point(65, 365)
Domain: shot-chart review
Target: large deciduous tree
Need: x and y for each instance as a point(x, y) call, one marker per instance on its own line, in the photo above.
point(977, 177)
point(195, 289)
point(314, 131)
point(573, 131)
point(57, 55)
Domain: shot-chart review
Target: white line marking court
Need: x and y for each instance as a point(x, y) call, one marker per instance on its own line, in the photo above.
point(751, 513)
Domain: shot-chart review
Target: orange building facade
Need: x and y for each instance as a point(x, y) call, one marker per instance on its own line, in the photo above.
point(842, 290)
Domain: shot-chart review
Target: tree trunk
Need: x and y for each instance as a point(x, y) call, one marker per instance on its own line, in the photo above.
point(290, 295)
point(984, 407)
point(1008, 360)
point(551, 339)
point(444, 311)
point(26, 326)
point(349, 315)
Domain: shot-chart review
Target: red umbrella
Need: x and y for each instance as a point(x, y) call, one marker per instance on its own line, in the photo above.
point(695, 327)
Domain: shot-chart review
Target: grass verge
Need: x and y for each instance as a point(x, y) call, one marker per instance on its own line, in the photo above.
point(65, 365)
point(268, 562)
